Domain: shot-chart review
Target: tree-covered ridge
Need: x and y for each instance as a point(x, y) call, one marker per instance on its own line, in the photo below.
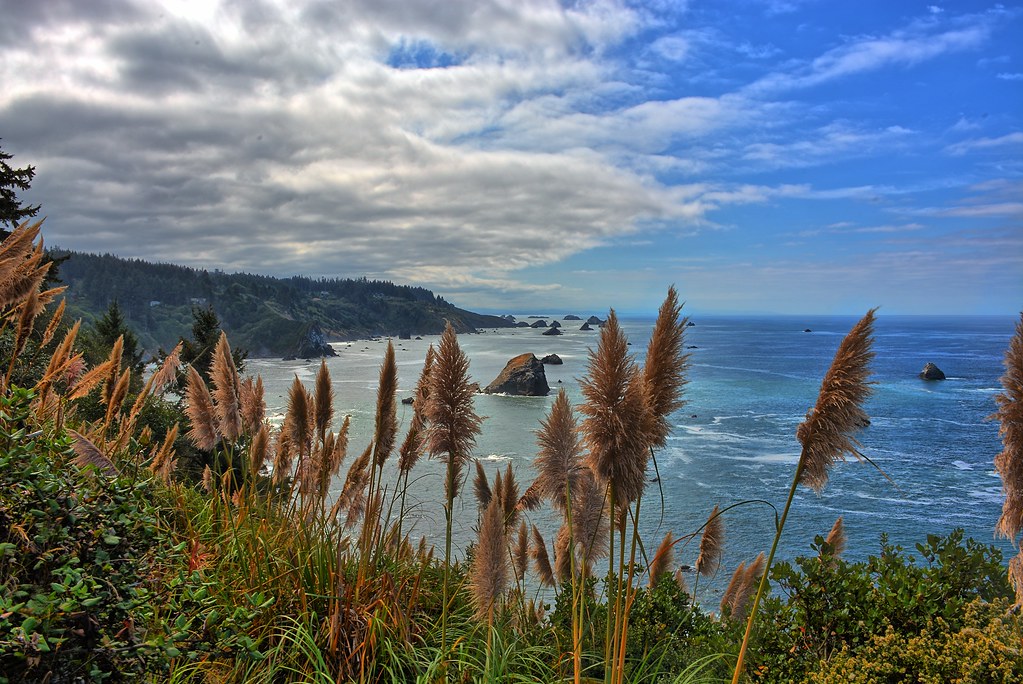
point(267, 315)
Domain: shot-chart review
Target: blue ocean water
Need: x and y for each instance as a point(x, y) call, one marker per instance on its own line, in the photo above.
point(751, 381)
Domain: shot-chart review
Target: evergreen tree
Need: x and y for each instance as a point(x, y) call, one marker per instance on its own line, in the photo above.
point(198, 351)
point(12, 211)
point(100, 338)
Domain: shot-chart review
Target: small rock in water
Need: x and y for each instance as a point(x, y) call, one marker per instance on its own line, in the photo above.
point(931, 372)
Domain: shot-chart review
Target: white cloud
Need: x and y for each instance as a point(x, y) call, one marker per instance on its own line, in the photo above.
point(1013, 76)
point(967, 146)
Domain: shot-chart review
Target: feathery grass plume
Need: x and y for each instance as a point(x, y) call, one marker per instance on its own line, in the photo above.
point(680, 580)
point(558, 459)
point(541, 560)
point(387, 409)
point(744, 590)
point(283, 456)
point(61, 356)
point(664, 371)
point(224, 376)
point(323, 400)
point(712, 544)
point(449, 409)
point(481, 486)
point(489, 575)
point(54, 324)
point(1016, 576)
point(88, 454)
point(530, 499)
point(615, 411)
point(589, 521)
point(199, 409)
point(520, 553)
point(259, 450)
point(322, 459)
point(16, 248)
point(728, 597)
point(164, 460)
point(353, 492)
point(563, 554)
point(117, 396)
point(836, 538)
point(21, 271)
point(168, 372)
point(509, 497)
point(207, 480)
point(1009, 462)
point(298, 421)
point(253, 404)
point(88, 381)
point(412, 448)
point(337, 456)
point(826, 434)
point(26, 319)
point(660, 566)
point(110, 381)
point(452, 435)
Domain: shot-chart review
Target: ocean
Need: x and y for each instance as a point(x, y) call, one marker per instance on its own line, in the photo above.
point(751, 381)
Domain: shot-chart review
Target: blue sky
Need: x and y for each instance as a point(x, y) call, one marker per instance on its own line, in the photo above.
point(785, 156)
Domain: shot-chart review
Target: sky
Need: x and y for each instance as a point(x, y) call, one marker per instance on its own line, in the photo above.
point(765, 156)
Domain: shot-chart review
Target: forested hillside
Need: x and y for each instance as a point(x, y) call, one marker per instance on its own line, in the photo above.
point(268, 316)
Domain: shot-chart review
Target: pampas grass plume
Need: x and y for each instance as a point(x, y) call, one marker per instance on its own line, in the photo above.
point(663, 559)
point(541, 560)
point(826, 434)
point(615, 412)
point(712, 544)
point(664, 371)
point(449, 409)
point(1009, 462)
point(224, 376)
point(558, 459)
point(489, 576)
point(481, 487)
point(199, 409)
point(836, 538)
point(323, 400)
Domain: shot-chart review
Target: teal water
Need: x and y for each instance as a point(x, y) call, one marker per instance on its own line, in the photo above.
point(751, 381)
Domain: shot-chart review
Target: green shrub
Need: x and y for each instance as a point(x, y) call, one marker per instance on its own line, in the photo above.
point(986, 649)
point(79, 555)
point(827, 605)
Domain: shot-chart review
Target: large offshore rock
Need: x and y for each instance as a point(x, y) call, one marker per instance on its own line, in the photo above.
point(931, 372)
point(522, 376)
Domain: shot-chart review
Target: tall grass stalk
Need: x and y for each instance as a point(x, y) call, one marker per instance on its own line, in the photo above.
point(454, 426)
point(826, 437)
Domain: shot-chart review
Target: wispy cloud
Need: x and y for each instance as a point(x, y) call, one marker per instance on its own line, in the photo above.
point(967, 146)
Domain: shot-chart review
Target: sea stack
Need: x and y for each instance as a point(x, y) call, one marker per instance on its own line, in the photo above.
point(522, 376)
point(931, 372)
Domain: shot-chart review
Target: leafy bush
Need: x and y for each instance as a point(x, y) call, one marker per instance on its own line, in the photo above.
point(828, 605)
point(984, 650)
point(76, 550)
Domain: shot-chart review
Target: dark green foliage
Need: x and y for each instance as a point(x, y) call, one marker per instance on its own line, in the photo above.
point(264, 314)
point(827, 603)
point(77, 561)
point(12, 210)
point(98, 340)
point(198, 350)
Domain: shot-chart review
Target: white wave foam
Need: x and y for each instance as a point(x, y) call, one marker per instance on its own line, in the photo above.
point(496, 457)
point(962, 465)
